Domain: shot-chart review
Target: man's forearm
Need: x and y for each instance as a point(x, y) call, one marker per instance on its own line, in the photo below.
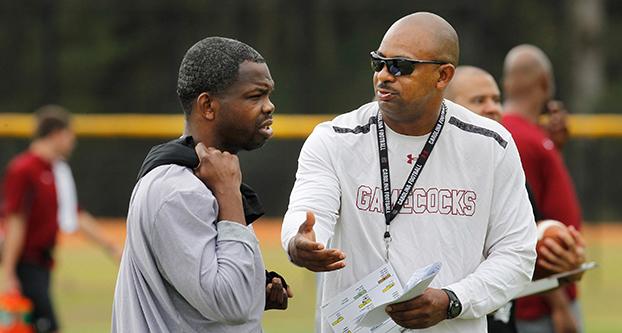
point(91, 229)
point(230, 206)
point(557, 298)
point(16, 231)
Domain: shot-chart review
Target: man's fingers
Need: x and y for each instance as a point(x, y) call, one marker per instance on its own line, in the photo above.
point(568, 240)
point(550, 253)
point(326, 268)
point(557, 262)
point(579, 240)
point(202, 151)
point(408, 314)
point(304, 244)
point(567, 257)
point(325, 257)
point(405, 318)
point(546, 253)
point(324, 265)
point(277, 290)
point(555, 248)
point(403, 306)
point(546, 265)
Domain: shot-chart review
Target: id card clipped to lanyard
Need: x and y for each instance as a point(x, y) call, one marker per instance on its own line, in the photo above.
point(391, 211)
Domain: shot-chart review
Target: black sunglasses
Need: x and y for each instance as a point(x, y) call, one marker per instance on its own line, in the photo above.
point(398, 66)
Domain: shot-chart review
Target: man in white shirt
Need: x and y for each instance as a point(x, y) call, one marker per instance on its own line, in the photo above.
point(191, 261)
point(362, 196)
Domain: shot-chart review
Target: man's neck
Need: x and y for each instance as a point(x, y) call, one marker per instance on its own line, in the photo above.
point(45, 150)
point(415, 126)
point(523, 108)
point(208, 137)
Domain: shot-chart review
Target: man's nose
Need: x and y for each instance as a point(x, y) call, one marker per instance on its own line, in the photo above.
point(384, 75)
point(268, 107)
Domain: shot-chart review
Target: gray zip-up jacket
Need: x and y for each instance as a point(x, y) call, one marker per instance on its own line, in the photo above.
point(182, 271)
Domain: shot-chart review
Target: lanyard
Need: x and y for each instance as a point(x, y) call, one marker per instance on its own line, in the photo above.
point(390, 212)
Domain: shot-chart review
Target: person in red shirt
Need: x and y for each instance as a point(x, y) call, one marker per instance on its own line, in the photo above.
point(32, 206)
point(529, 87)
point(477, 90)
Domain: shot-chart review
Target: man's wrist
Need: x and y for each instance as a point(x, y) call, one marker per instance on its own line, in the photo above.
point(454, 308)
point(230, 206)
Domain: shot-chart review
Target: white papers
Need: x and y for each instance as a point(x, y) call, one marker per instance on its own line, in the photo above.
point(538, 286)
point(415, 286)
point(381, 287)
point(553, 281)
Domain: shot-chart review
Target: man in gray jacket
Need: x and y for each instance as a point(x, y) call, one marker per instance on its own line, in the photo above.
point(191, 261)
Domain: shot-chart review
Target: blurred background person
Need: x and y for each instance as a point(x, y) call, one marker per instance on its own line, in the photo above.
point(478, 91)
point(475, 89)
point(39, 200)
point(529, 88)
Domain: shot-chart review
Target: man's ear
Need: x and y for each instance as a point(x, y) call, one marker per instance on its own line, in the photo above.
point(446, 73)
point(544, 84)
point(206, 106)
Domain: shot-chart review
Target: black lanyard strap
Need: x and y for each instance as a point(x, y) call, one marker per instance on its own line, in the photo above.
point(390, 212)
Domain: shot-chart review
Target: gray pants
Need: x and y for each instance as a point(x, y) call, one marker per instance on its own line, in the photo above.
point(544, 324)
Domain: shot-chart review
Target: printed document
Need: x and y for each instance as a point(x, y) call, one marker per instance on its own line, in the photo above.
point(361, 308)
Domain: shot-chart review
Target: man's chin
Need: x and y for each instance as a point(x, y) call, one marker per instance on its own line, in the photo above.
point(388, 105)
point(255, 144)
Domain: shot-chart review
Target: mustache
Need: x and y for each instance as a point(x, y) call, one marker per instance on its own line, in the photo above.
point(385, 86)
point(263, 120)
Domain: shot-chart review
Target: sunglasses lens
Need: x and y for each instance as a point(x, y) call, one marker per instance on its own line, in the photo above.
point(396, 67)
point(404, 67)
point(377, 64)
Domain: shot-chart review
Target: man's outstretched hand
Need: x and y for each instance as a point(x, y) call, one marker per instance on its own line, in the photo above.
point(304, 251)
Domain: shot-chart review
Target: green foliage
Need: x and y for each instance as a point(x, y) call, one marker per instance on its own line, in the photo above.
point(123, 56)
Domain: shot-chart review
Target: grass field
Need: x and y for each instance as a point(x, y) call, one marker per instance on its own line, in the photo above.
point(85, 277)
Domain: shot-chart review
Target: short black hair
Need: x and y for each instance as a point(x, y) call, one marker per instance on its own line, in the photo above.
point(211, 65)
point(51, 118)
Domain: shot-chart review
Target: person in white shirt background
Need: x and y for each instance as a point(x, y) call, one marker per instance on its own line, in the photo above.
point(468, 209)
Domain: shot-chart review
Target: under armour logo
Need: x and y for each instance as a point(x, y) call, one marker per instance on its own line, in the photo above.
point(410, 159)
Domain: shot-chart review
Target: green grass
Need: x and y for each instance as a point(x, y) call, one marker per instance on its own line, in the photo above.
point(84, 284)
point(601, 289)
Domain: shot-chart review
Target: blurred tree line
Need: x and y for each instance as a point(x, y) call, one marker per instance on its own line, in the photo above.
point(122, 56)
point(119, 56)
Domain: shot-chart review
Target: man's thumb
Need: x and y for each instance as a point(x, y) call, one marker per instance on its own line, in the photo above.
point(308, 224)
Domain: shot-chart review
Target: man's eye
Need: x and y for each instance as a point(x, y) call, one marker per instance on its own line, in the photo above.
point(477, 100)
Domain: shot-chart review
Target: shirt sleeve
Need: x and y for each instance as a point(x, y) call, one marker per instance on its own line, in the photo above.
point(559, 201)
point(509, 249)
point(16, 188)
point(316, 189)
point(211, 264)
